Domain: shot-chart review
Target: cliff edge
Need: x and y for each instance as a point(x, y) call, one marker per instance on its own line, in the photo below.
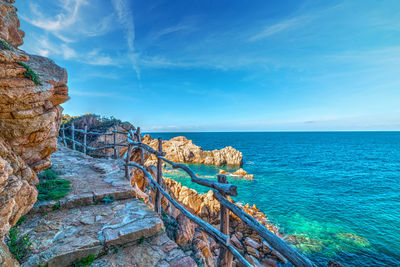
point(31, 91)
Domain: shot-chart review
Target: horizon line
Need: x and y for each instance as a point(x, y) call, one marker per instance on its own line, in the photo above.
point(278, 131)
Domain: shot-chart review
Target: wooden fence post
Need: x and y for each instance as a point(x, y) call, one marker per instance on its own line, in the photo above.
point(84, 139)
point(225, 257)
point(63, 135)
point(73, 135)
point(128, 158)
point(159, 179)
point(139, 136)
point(115, 142)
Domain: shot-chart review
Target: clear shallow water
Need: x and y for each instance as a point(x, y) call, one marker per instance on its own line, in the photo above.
point(338, 192)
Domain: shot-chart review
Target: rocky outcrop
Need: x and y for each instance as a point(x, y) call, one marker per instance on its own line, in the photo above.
point(180, 149)
point(30, 114)
point(30, 111)
point(9, 24)
point(31, 91)
point(17, 190)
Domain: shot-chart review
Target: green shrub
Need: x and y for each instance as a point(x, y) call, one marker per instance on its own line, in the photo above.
point(18, 245)
point(31, 74)
point(4, 45)
point(53, 189)
point(83, 261)
point(48, 174)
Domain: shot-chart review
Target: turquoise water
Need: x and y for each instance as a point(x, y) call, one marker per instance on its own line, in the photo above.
point(337, 192)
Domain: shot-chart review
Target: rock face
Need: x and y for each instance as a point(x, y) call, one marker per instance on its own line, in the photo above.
point(17, 193)
point(9, 24)
point(180, 149)
point(30, 113)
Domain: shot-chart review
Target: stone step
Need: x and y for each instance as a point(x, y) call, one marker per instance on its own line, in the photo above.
point(62, 236)
point(157, 251)
point(91, 180)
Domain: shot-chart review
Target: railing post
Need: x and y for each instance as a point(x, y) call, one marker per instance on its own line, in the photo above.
point(139, 137)
point(159, 179)
point(115, 142)
point(225, 257)
point(63, 135)
point(128, 158)
point(73, 135)
point(84, 139)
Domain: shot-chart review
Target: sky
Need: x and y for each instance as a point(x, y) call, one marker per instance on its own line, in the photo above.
point(225, 65)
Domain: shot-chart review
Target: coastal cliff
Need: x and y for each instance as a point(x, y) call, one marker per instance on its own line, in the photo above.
point(31, 91)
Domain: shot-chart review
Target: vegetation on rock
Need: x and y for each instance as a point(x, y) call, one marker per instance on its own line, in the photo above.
point(4, 45)
point(83, 261)
point(31, 74)
point(50, 187)
point(48, 174)
point(19, 245)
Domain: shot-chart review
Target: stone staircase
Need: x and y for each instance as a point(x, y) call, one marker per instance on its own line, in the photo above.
point(100, 216)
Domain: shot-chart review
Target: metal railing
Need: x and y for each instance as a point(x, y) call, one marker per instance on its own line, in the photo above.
point(221, 189)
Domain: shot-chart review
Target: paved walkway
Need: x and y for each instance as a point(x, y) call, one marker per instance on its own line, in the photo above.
point(100, 216)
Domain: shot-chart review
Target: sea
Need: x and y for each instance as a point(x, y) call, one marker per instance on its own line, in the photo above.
point(337, 193)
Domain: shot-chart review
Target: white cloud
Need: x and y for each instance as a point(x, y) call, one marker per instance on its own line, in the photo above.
point(279, 27)
point(126, 19)
point(62, 20)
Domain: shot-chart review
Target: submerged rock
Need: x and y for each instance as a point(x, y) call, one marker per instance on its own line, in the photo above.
point(243, 173)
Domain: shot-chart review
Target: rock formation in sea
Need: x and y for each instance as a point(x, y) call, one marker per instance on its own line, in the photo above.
point(240, 173)
point(180, 149)
point(31, 91)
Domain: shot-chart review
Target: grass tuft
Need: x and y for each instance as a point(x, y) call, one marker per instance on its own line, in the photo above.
point(19, 245)
point(53, 189)
point(83, 261)
point(31, 74)
point(48, 174)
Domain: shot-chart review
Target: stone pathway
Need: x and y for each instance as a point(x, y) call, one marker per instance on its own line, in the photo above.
point(125, 232)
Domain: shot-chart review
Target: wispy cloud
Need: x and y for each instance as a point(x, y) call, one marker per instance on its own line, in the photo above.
point(70, 24)
point(126, 19)
point(272, 29)
point(100, 94)
point(68, 16)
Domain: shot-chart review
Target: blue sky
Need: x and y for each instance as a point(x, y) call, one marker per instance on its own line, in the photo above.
point(225, 65)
